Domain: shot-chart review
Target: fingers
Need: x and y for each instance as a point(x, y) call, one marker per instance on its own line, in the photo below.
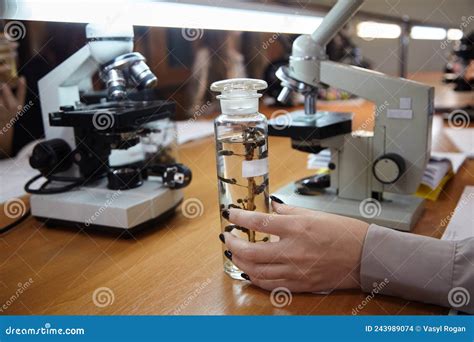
point(259, 253)
point(263, 271)
point(283, 209)
point(8, 98)
point(266, 223)
point(5, 68)
point(21, 91)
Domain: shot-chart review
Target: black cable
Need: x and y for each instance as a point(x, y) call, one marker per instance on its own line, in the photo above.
point(16, 223)
point(65, 179)
point(44, 191)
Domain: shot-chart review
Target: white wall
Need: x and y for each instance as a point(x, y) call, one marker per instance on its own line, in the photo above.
point(423, 55)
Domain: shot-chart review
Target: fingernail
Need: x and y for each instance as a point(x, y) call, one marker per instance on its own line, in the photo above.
point(245, 276)
point(276, 199)
point(228, 255)
point(225, 214)
point(222, 237)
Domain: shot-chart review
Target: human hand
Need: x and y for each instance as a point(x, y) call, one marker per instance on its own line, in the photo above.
point(469, 74)
point(316, 251)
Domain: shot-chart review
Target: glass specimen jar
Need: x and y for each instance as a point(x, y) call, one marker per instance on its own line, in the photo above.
point(241, 134)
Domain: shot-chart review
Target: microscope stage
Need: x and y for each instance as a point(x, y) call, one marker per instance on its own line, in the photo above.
point(121, 116)
point(300, 126)
point(399, 212)
point(306, 131)
point(97, 206)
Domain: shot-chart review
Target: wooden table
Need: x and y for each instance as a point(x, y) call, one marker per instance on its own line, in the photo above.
point(177, 268)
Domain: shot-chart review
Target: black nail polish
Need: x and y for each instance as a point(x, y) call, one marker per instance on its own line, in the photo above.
point(228, 255)
point(276, 199)
point(245, 276)
point(222, 237)
point(225, 214)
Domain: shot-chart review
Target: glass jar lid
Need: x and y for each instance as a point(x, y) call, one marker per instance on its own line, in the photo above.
point(238, 88)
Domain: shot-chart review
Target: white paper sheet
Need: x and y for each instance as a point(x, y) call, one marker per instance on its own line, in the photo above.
point(456, 158)
point(461, 223)
point(463, 139)
point(193, 130)
point(15, 172)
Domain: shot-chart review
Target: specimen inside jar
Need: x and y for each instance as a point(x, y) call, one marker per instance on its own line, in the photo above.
point(241, 154)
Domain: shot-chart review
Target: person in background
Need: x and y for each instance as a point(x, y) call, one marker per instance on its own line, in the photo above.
point(343, 50)
point(221, 55)
point(460, 67)
point(12, 94)
point(44, 47)
point(320, 252)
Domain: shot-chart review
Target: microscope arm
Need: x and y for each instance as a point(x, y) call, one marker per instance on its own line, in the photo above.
point(337, 17)
point(402, 117)
point(61, 87)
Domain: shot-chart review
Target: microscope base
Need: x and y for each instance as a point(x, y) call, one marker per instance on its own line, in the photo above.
point(96, 206)
point(399, 212)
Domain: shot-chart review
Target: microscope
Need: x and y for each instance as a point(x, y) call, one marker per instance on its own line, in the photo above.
point(110, 164)
point(372, 175)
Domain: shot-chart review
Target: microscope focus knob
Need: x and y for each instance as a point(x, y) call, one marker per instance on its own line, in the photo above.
point(51, 156)
point(388, 168)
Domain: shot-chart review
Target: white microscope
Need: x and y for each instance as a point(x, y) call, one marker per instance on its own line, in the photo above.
point(98, 173)
point(373, 175)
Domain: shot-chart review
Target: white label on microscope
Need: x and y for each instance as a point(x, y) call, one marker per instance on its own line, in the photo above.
point(254, 168)
point(399, 114)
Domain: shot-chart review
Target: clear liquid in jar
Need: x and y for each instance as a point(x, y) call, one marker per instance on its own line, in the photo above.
point(242, 153)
